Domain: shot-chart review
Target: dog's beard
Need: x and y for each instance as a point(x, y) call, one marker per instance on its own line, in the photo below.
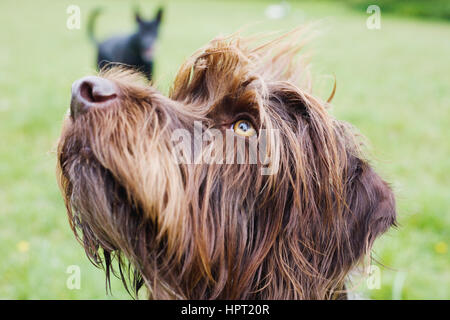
point(117, 185)
point(196, 230)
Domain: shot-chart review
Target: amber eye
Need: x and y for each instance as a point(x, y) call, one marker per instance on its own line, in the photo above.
point(243, 128)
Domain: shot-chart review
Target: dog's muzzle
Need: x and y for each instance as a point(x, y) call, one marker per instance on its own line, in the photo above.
point(91, 92)
point(148, 53)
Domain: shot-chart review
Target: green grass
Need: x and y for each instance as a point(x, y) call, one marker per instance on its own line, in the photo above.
point(391, 83)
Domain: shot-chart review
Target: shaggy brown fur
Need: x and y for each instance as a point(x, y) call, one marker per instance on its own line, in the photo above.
point(223, 231)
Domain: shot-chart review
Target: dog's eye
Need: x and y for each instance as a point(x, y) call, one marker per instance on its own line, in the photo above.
point(243, 128)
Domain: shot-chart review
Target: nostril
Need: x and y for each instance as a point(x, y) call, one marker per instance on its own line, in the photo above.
point(86, 91)
point(97, 91)
point(100, 95)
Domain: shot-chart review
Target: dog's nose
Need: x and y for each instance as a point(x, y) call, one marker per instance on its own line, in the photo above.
point(91, 92)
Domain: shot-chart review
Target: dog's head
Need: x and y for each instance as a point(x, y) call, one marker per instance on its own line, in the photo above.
point(147, 34)
point(238, 185)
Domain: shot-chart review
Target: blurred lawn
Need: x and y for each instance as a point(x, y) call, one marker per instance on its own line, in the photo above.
point(393, 84)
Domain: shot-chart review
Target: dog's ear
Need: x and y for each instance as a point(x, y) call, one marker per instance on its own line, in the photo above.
point(137, 15)
point(371, 206)
point(159, 15)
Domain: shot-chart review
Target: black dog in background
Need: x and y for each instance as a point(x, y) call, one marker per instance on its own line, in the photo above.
point(136, 49)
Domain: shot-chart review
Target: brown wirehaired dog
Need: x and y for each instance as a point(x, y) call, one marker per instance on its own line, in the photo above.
point(190, 230)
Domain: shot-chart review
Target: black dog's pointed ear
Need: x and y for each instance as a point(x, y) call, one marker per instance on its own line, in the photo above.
point(159, 14)
point(371, 205)
point(137, 15)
